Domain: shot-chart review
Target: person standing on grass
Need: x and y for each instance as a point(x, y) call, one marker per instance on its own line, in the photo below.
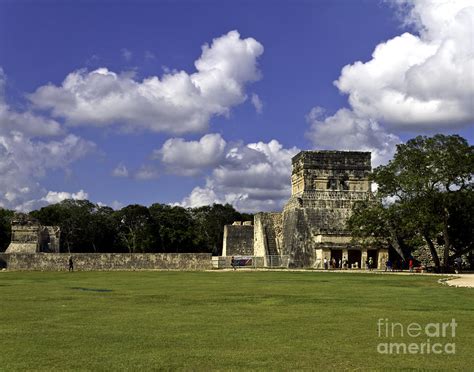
point(232, 262)
point(371, 263)
point(410, 265)
point(71, 264)
point(325, 263)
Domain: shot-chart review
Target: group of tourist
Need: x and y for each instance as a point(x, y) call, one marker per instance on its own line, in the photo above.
point(335, 264)
point(344, 264)
point(399, 265)
point(369, 264)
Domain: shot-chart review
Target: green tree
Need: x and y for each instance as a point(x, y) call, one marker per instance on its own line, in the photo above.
point(74, 219)
point(460, 222)
point(85, 226)
point(427, 179)
point(174, 228)
point(373, 224)
point(5, 228)
point(134, 228)
point(104, 230)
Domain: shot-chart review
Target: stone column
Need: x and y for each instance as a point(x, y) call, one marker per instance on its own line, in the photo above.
point(318, 262)
point(345, 255)
point(382, 258)
point(327, 256)
point(363, 257)
point(259, 241)
point(224, 244)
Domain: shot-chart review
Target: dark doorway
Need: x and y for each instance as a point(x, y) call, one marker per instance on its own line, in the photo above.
point(372, 253)
point(44, 240)
point(337, 255)
point(354, 257)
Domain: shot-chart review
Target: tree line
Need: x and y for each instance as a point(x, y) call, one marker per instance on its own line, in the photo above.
point(88, 227)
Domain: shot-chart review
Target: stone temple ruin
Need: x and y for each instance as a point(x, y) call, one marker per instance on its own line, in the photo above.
point(312, 226)
point(28, 236)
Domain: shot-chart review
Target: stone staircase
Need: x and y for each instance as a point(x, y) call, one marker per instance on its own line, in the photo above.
point(274, 260)
point(271, 242)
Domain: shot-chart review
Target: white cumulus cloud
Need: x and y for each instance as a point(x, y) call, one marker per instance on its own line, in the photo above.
point(191, 157)
point(346, 131)
point(23, 121)
point(178, 102)
point(24, 162)
point(419, 81)
point(27, 154)
point(412, 82)
point(53, 197)
point(252, 177)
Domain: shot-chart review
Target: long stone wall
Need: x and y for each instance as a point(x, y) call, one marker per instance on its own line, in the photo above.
point(106, 261)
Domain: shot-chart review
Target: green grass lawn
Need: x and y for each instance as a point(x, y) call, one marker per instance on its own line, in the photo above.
point(224, 320)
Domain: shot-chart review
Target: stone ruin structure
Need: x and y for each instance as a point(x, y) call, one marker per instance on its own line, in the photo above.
point(28, 236)
point(312, 226)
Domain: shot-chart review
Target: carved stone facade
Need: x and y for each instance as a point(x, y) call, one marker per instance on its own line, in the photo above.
point(312, 226)
point(28, 236)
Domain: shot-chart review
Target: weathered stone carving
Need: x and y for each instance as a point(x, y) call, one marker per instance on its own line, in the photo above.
point(325, 184)
point(28, 236)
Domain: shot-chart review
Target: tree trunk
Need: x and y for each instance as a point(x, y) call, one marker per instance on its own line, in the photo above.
point(447, 242)
point(434, 253)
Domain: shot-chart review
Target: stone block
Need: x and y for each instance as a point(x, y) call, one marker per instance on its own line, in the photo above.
point(238, 240)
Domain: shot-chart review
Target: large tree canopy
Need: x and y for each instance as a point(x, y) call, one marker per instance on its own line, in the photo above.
point(426, 190)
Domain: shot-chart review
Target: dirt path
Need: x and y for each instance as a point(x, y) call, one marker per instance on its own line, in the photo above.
point(463, 280)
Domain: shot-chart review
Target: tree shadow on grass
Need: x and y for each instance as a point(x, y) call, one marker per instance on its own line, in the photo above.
point(91, 289)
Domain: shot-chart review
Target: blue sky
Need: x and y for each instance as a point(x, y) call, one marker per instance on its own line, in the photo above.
point(194, 102)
